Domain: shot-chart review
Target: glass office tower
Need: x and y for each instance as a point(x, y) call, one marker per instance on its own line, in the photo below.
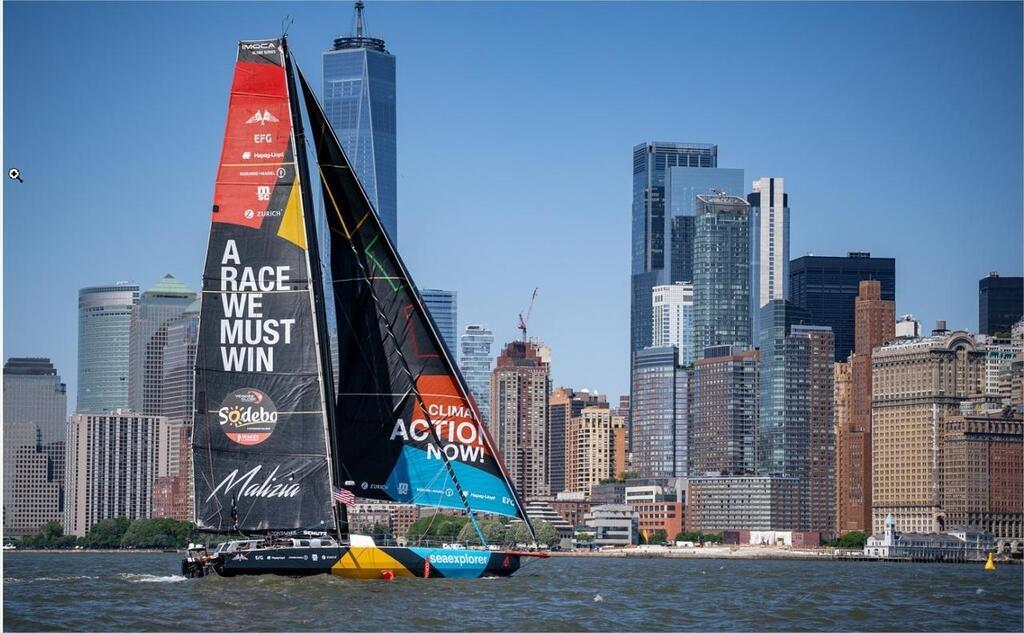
point(443, 306)
point(476, 364)
point(721, 272)
point(359, 100)
point(104, 340)
point(828, 288)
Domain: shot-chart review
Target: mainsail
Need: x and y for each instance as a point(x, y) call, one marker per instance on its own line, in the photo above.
point(407, 429)
point(260, 442)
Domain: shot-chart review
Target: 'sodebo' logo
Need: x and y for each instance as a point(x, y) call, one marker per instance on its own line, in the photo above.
point(247, 416)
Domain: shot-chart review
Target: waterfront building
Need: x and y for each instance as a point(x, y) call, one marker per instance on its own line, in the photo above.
point(35, 497)
point(172, 492)
point(396, 518)
point(564, 405)
point(614, 525)
point(725, 411)
point(917, 385)
point(541, 509)
point(769, 245)
point(594, 448)
point(795, 425)
point(35, 409)
point(960, 544)
point(1000, 303)
point(721, 272)
point(908, 327)
point(660, 515)
point(443, 306)
point(873, 327)
point(520, 388)
point(476, 363)
point(673, 319)
point(572, 506)
point(112, 463)
point(609, 493)
point(828, 288)
point(742, 503)
point(359, 101)
point(159, 305)
point(104, 343)
point(982, 472)
point(660, 413)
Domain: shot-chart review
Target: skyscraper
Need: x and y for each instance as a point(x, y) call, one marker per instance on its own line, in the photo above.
point(179, 358)
point(874, 326)
point(104, 343)
point(359, 100)
point(769, 246)
point(828, 287)
point(795, 434)
point(443, 306)
point(476, 363)
point(666, 180)
point(721, 272)
point(723, 438)
point(166, 300)
point(660, 413)
point(673, 319)
point(918, 385)
point(520, 387)
point(34, 423)
point(1000, 303)
point(33, 392)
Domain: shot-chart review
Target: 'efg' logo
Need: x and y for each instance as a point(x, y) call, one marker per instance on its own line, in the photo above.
point(247, 416)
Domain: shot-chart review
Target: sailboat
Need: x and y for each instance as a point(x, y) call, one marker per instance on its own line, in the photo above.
point(288, 431)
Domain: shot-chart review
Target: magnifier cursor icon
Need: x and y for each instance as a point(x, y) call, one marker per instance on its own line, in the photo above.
point(15, 174)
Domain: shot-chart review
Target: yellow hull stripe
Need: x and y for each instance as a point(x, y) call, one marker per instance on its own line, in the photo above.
point(367, 563)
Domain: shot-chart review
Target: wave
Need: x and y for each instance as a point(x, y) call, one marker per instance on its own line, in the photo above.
point(151, 578)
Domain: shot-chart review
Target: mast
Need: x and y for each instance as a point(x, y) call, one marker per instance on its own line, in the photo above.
point(316, 282)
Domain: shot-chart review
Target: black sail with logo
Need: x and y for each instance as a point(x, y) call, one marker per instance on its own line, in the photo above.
point(407, 429)
point(259, 443)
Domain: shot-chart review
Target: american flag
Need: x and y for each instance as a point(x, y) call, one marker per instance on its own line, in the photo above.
point(344, 496)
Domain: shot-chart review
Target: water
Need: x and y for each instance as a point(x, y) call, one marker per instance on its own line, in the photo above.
point(87, 591)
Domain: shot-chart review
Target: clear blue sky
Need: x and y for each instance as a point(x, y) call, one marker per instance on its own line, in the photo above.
point(896, 127)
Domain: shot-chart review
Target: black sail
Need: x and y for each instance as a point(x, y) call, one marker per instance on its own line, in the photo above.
point(407, 429)
point(260, 453)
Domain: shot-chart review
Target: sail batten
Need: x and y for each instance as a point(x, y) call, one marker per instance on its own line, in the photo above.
point(408, 430)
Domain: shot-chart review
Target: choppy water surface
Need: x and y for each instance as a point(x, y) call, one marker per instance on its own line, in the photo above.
point(143, 591)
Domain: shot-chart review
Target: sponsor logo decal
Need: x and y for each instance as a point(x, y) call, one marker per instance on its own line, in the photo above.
point(247, 416)
point(262, 118)
point(467, 558)
point(403, 488)
point(259, 46)
point(248, 486)
point(239, 557)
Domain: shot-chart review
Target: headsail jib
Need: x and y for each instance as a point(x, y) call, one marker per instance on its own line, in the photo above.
point(407, 428)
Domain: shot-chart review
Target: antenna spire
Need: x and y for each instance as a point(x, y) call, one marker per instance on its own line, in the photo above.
point(359, 27)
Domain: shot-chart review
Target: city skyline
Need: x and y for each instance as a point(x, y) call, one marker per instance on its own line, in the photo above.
point(164, 128)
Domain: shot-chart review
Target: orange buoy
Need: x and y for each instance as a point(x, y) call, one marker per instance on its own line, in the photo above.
point(387, 574)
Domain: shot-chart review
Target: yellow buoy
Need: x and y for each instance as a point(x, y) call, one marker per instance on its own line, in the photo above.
point(990, 564)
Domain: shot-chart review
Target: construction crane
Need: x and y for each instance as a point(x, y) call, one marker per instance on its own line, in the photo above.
point(523, 322)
